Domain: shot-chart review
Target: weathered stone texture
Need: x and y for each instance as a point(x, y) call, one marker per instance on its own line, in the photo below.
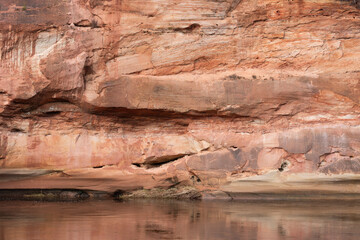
point(154, 93)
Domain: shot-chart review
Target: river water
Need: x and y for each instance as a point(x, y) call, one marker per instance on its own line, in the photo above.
point(179, 220)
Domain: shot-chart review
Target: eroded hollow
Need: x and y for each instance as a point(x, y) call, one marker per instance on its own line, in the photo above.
point(188, 29)
point(120, 194)
point(154, 162)
point(283, 166)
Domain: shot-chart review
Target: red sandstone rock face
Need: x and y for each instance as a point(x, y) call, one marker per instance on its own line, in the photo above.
point(129, 94)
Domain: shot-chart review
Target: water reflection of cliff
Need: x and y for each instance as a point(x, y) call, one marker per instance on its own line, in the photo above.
point(179, 220)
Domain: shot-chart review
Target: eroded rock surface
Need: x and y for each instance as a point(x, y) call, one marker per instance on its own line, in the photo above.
point(223, 96)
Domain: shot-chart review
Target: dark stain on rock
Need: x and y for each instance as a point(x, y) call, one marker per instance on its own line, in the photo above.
point(159, 88)
point(355, 3)
point(36, 12)
point(342, 166)
point(232, 7)
point(314, 143)
point(225, 160)
point(3, 146)
point(252, 157)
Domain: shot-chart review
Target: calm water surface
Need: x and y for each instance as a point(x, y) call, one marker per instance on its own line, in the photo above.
point(179, 220)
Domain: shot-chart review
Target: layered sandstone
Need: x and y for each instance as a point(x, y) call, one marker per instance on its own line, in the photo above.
point(234, 96)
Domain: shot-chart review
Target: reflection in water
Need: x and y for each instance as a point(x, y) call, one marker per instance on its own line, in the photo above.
point(179, 220)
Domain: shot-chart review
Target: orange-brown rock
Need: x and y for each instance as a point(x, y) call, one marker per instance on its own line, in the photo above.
point(236, 95)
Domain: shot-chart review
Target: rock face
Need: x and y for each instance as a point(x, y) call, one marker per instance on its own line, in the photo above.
point(236, 95)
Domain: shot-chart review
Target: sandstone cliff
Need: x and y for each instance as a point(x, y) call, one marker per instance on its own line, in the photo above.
point(228, 96)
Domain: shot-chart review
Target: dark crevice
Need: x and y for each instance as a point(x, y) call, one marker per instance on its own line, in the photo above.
point(101, 166)
point(160, 113)
point(159, 164)
point(86, 23)
point(17, 130)
point(159, 161)
point(255, 21)
point(88, 70)
point(283, 166)
point(188, 29)
point(26, 106)
point(118, 193)
point(136, 164)
point(19, 106)
point(22, 107)
point(51, 113)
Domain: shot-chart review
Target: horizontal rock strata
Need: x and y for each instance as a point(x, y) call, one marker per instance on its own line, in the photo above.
point(231, 98)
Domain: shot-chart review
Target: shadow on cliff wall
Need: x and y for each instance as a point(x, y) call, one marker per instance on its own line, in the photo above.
point(355, 3)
